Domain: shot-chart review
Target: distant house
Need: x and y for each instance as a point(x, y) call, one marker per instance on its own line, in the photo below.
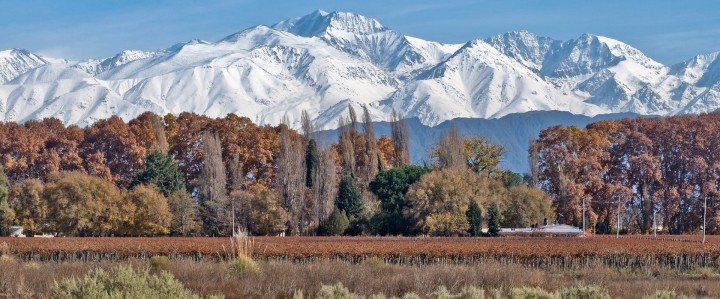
point(555, 229)
point(559, 229)
point(16, 231)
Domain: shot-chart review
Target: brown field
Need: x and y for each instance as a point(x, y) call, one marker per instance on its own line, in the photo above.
point(628, 251)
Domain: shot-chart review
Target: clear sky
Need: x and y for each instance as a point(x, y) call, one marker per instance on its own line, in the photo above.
point(668, 31)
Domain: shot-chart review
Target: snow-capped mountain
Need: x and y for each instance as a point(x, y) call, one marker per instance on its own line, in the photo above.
point(323, 62)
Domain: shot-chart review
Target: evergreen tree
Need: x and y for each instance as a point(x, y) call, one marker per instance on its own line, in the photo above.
point(474, 217)
point(493, 220)
point(336, 224)
point(162, 171)
point(312, 161)
point(349, 199)
point(4, 207)
point(390, 187)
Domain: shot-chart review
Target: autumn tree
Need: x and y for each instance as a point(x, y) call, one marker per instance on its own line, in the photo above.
point(31, 208)
point(266, 214)
point(152, 215)
point(83, 205)
point(185, 214)
point(438, 202)
point(526, 207)
point(482, 156)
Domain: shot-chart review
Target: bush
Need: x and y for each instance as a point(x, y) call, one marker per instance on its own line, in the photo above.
point(466, 293)
point(336, 224)
point(667, 295)
point(122, 282)
point(584, 292)
point(337, 291)
point(159, 263)
point(243, 250)
point(530, 293)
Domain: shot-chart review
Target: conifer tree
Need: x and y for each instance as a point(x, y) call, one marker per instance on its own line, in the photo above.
point(493, 220)
point(349, 198)
point(474, 216)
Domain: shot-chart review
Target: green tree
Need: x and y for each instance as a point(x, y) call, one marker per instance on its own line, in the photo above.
point(312, 162)
point(526, 207)
point(493, 220)
point(474, 218)
point(162, 171)
point(349, 197)
point(336, 224)
point(390, 187)
point(511, 179)
point(5, 213)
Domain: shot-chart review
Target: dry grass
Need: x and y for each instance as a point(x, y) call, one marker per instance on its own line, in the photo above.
point(284, 279)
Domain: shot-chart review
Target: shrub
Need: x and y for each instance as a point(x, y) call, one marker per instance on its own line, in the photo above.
point(243, 262)
point(374, 261)
point(584, 292)
point(530, 293)
point(337, 291)
point(466, 293)
point(122, 282)
point(336, 224)
point(667, 295)
point(159, 263)
point(5, 252)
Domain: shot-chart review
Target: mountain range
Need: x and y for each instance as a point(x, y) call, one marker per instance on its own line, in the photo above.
point(323, 62)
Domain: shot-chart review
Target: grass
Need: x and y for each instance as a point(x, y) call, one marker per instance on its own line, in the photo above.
point(289, 280)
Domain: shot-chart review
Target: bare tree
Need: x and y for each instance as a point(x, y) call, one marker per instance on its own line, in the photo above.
point(400, 140)
point(290, 177)
point(371, 148)
point(534, 160)
point(347, 150)
point(212, 184)
point(325, 186)
point(449, 151)
point(307, 125)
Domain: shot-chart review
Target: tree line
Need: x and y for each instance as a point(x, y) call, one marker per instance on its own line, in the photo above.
point(194, 175)
point(644, 171)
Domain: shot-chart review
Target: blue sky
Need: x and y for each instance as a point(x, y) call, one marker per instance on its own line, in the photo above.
point(668, 31)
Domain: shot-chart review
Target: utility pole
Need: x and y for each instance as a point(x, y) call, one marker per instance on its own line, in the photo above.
point(232, 203)
point(583, 217)
point(704, 216)
point(617, 231)
point(654, 224)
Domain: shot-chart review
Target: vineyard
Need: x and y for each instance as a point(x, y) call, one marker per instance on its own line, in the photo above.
point(636, 252)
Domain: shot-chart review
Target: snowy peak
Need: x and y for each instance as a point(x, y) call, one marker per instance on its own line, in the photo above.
point(15, 62)
point(525, 47)
point(320, 22)
point(96, 67)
